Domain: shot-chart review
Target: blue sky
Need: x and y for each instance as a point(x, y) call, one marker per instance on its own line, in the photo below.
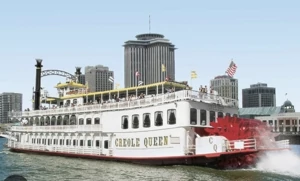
point(262, 37)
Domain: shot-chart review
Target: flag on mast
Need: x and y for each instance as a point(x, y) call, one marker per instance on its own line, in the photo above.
point(231, 69)
point(111, 79)
point(163, 68)
point(193, 75)
point(137, 74)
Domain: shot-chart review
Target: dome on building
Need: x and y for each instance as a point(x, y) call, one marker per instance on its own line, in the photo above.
point(287, 103)
point(287, 107)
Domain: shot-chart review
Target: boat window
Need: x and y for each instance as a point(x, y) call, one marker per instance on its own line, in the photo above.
point(147, 121)
point(97, 121)
point(124, 122)
point(47, 121)
point(73, 120)
point(88, 121)
point(31, 121)
point(228, 114)
point(193, 116)
point(53, 120)
point(212, 116)
point(42, 121)
point(220, 115)
point(66, 120)
point(74, 101)
point(49, 141)
point(106, 144)
point(172, 116)
point(89, 143)
point(97, 143)
point(158, 118)
point(37, 121)
point(203, 117)
point(234, 115)
point(74, 142)
point(81, 121)
point(135, 121)
point(59, 120)
point(81, 142)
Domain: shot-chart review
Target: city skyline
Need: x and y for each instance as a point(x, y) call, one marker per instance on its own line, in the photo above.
point(263, 41)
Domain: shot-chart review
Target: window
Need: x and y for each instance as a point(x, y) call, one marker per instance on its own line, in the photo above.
point(74, 101)
point(135, 121)
point(74, 142)
point(97, 143)
point(89, 143)
point(53, 119)
point(81, 121)
point(220, 115)
point(106, 144)
point(172, 116)
point(97, 121)
point(203, 117)
point(88, 121)
point(147, 121)
point(66, 120)
point(228, 114)
point(81, 142)
point(212, 116)
point(158, 118)
point(235, 115)
point(193, 116)
point(73, 120)
point(124, 122)
point(59, 120)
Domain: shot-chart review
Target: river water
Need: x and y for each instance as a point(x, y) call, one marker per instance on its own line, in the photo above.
point(283, 166)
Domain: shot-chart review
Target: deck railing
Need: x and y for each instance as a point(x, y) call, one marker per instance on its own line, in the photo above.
point(245, 144)
point(65, 149)
point(147, 101)
point(64, 128)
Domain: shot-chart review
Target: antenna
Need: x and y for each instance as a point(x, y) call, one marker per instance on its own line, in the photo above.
point(149, 24)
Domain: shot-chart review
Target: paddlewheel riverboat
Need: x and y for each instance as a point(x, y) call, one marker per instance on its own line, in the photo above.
point(165, 123)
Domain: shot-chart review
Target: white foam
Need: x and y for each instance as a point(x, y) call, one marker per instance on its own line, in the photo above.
point(281, 162)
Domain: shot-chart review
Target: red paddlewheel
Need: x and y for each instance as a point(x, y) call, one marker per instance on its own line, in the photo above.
point(234, 128)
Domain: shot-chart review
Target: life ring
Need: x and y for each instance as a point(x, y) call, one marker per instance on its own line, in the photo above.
point(211, 140)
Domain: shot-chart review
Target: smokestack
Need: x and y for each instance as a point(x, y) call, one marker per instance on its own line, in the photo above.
point(37, 93)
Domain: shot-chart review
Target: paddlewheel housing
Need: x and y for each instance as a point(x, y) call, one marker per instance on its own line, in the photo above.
point(234, 128)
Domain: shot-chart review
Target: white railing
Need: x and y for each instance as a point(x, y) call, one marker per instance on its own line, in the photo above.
point(245, 144)
point(64, 149)
point(283, 144)
point(66, 128)
point(148, 101)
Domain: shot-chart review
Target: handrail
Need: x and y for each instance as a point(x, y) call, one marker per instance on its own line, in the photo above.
point(57, 128)
point(147, 101)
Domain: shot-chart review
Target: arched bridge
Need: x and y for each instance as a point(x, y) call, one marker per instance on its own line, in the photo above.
point(59, 73)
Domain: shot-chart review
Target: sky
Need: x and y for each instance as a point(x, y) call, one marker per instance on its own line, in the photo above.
point(262, 38)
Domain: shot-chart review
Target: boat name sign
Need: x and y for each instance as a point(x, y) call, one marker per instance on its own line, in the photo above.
point(148, 141)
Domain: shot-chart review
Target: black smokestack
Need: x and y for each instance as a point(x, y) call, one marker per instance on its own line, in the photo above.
point(37, 93)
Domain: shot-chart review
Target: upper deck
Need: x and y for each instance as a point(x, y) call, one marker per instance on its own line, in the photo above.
point(133, 103)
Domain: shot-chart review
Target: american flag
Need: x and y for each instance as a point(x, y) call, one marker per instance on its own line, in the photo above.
point(231, 69)
point(137, 74)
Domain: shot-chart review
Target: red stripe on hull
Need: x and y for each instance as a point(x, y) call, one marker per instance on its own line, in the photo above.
point(219, 160)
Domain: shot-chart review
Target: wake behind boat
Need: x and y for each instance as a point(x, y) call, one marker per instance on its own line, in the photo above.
point(165, 123)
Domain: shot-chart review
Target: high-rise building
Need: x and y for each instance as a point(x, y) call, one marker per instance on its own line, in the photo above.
point(226, 86)
point(259, 95)
point(97, 78)
point(81, 79)
point(9, 102)
point(152, 56)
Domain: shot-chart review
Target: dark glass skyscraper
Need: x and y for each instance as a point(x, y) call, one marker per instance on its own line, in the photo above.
point(149, 55)
point(259, 95)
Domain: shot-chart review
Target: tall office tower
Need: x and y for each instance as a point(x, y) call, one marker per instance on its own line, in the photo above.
point(81, 79)
point(150, 59)
point(97, 78)
point(226, 86)
point(259, 95)
point(9, 102)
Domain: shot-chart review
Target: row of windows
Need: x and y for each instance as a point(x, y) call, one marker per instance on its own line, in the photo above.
point(67, 142)
point(203, 116)
point(158, 119)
